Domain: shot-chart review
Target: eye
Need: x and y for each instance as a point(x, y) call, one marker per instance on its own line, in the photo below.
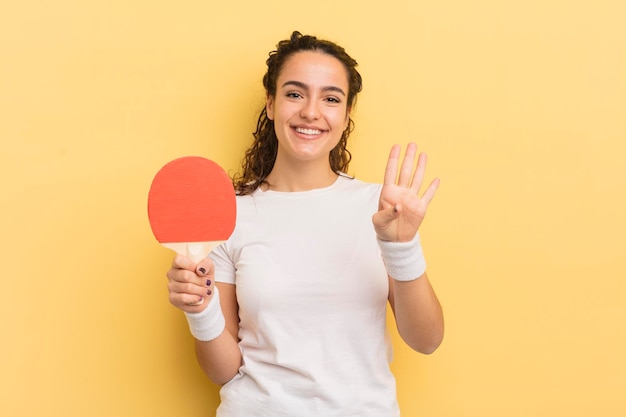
point(294, 94)
point(333, 100)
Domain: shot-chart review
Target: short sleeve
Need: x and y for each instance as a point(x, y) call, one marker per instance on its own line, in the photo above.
point(224, 265)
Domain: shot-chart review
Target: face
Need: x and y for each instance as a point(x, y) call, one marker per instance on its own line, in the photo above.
point(309, 110)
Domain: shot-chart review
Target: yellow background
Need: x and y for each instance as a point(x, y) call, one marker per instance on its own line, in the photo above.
point(521, 106)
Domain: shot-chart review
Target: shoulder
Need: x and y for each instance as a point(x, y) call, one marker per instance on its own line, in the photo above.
point(347, 183)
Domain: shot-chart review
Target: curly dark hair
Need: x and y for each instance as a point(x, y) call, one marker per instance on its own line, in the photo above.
point(259, 159)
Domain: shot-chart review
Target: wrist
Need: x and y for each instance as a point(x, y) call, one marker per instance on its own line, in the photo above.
point(404, 261)
point(209, 323)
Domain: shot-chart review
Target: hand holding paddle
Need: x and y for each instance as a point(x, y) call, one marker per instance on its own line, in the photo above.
point(190, 284)
point(192, 209)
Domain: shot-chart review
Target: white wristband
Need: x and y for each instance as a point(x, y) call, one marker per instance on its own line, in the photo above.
point(404, 260)
point(209, 323)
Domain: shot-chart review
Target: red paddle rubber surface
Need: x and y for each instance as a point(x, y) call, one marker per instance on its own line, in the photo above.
point(191, 199)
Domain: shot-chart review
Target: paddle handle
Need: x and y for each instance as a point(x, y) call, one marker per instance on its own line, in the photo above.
point(196, 251)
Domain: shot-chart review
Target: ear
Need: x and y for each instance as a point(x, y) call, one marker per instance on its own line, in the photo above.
point(269, 107)
point(347, 121)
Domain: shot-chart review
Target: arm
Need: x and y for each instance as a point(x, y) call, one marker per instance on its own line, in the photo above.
point(189, 287)
point(418, 314)
point(220, 358)
point(401, 210)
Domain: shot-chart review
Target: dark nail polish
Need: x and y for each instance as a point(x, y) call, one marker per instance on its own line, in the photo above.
point(208, 292)
point(202, 270)
point(208, 282)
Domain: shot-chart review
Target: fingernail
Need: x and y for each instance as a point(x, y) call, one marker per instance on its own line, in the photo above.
point(208, 282)
point(202, 270)
point(209, 292)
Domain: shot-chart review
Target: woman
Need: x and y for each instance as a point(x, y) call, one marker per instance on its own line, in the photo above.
point(295, 325)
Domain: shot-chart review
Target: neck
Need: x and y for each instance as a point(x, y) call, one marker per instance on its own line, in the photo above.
point(302, 176)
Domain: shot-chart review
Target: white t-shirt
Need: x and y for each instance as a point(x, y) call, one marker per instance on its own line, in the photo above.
point(312, 292)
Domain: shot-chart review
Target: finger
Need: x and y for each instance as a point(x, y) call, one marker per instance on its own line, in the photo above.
point(406, 170)
point(429, 194)
point(391, 170)
point(183, 262)
point(187, 279)
point(195, 307)
point(196, 303)
point(420, 171)
point(383, 217)
point(187, 292)
point(184, 301)
point(188, 282)
point(205, 267)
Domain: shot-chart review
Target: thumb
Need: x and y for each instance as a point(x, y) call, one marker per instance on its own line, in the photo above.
point(385, 216)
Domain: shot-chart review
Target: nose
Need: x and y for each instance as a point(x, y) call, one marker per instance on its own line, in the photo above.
point(310, 110)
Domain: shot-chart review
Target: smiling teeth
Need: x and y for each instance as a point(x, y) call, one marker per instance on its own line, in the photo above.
point(308, 131)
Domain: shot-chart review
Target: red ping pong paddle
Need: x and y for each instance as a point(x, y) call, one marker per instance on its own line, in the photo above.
point(191, 206)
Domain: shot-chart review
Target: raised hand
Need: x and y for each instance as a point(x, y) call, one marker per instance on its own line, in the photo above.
point(400, 208)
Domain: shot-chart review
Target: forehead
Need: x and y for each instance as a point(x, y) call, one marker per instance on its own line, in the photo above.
point(315, 69)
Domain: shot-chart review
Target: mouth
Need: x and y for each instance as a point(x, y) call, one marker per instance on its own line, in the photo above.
point(307, 131)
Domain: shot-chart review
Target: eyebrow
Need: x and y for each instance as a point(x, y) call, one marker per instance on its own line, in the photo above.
point(306, 87)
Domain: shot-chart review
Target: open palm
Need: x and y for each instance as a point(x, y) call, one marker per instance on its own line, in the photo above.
point(400, 208)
